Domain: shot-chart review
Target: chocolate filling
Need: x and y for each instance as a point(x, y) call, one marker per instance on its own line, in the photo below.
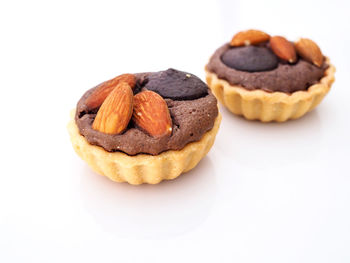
point(285, 77)
point(191, 119)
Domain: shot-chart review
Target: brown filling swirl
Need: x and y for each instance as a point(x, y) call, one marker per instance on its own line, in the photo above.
point(191, 120)
point(285, 77)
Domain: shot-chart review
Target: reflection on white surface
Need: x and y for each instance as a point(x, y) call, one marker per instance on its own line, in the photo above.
point(150, 211)
point(262, 144)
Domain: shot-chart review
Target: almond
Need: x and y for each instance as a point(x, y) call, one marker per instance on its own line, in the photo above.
point(249, 37)
point(115, 112)
point(309, 51)
point(97, 97)
point(283, 49)
point(151, 114)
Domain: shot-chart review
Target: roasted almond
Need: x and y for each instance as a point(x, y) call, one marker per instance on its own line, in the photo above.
point(97, 97)
point(249, 37)
point(115, 112)
point(283, 49)
point(310, 51)
point(151, 114)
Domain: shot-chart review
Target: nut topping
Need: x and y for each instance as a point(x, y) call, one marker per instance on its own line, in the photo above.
point(102, 91)
point(151, 114)
point(115, 112)
point(283, 49)
point(309, 51)
point(249, 37)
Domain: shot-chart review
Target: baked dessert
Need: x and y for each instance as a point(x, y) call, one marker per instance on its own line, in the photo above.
point(269, 78)
point(146, 127)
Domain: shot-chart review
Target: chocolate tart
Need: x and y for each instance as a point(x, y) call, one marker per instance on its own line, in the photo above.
point(269, 78)
point(164, 128)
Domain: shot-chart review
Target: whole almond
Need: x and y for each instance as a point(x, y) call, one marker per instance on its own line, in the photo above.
point(115, 112)
point(283, 49)
point(97, 97)
point(310, 51)
point(249, 37)
point(151, 114)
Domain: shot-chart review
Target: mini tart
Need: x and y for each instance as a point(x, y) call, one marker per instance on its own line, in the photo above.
point(147, 149)
point(268, 105)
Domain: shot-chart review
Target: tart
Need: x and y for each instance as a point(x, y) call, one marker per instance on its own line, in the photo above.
point(145, 127)
point(269, 78)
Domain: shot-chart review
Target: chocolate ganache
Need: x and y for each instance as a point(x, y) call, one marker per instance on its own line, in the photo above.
point(193, 109)
point(254, 67)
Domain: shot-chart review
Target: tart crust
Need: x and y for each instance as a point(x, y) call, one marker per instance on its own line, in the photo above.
point(141, 168)
point(270, 106)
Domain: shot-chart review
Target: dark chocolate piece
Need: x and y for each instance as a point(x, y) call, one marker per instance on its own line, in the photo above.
point(176, 85)
point(250, 58)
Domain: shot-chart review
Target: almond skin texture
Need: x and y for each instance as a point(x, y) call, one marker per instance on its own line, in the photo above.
point(151, 114)
point(115, 112)
point(310, 51)
point(249, 37)
point(97, 97)
point(283, 49)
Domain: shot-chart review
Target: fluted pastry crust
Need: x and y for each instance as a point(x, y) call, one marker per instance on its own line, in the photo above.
point(142, 168)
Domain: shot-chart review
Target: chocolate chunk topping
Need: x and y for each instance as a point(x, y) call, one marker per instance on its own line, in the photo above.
point(176, 85)
point(250, 58)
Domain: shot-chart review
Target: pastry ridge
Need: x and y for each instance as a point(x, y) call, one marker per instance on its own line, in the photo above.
point(141, 168)
point(270, 106)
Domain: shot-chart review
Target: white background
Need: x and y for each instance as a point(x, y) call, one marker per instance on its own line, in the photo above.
point(264, 193)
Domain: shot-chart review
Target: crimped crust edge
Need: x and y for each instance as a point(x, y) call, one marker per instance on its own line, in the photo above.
point(141, 168)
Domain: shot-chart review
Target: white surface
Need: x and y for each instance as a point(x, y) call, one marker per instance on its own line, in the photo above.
point(265, 192)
